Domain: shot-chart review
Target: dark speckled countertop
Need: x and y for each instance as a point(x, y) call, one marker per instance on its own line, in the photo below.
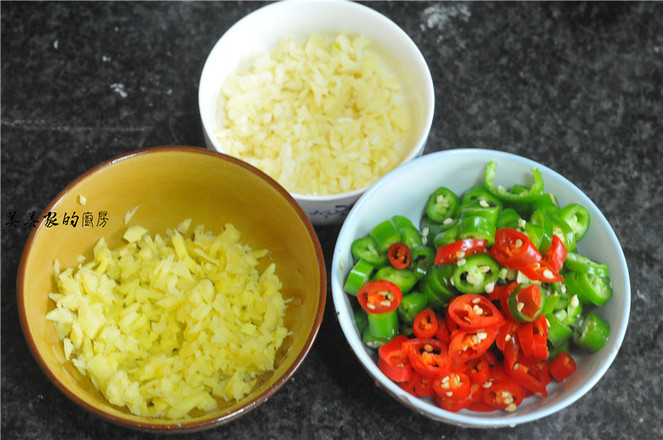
point(575, 86)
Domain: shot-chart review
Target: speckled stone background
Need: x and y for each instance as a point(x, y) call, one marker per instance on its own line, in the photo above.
point(575, 86)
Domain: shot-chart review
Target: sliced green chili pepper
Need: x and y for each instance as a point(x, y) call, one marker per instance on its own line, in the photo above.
point(545, 200)
point(442, 204)
point(569, 314)
point(562, 229)
point(475, 272)
point(402, 222)
point(409, 233)
point(559, 289)
point(534, 233)
point(371, 340)
point(359, 274)
point(551, 298)
point(508, 218)
point(591, 332)
point(477, 227)
point(553, 352)
point(437, 285)
point(429, 229)
point(385, 234)
point(411, 237)
point(542, 219)
point(478, 193)
point(558, 332)
point(590, 289)
point(366, 249)
point(501, 193)
point(411, 305)
point(579, 263)
point(578, 218)
point(479, 208)
point(422, 258)
point(448, 234)
point(403, 278)
point(383, 325)
point(596, 289)
point(361, 320)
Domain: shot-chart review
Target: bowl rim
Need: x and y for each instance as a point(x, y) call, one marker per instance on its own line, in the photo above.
point(417, 147)
point(461, 419)
point(182, 425)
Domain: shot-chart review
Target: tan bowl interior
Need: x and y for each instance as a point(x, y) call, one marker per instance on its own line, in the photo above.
point(169, 185)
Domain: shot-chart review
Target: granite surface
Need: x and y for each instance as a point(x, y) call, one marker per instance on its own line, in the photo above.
point(575, 86)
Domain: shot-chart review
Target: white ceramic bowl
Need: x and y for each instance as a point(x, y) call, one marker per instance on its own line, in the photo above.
point(458, 170)
point(260, 32)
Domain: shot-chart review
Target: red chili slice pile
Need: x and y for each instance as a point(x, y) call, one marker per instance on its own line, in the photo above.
point(474, 355)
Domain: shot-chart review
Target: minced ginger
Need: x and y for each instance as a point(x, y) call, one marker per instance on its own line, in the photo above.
point(169, 325)
point(323, 117)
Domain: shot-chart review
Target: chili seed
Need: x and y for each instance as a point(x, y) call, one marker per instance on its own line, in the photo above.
point(510, 407)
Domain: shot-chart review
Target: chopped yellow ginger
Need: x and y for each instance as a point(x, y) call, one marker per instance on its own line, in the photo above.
point(323, 117)
point(169, 325)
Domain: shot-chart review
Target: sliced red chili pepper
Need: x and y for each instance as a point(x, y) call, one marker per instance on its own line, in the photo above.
point(533, 338)
point(472, 311)
point(452, 325)
point(555, 255)
point(471, 344)
point(419, 386)
point(453, 405)
point(513, 249)
point(454, 385)
point(525, 302)
point(425, 324)
point(507, 341)
point(530, 374)
point(501, 294)
point(503, 394)
point(541, 271)
point(562, 366)
point(479, 369)
point(393, 361)
point(480, 406)
point(379, 296)
point(428, 357)
point(450, 253)
point(399, 255)
point(442, 333)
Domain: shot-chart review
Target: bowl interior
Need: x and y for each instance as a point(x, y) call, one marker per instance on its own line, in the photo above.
point(168, 185)
point(458, 170)
point(261, 31)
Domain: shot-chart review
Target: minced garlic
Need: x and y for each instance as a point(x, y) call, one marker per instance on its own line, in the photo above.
point(323, 117)
point(168, 325)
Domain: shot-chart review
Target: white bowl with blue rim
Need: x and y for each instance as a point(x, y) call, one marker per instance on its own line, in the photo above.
point(261, 30)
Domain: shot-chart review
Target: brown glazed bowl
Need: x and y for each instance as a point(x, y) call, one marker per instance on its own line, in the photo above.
point(168, 185)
